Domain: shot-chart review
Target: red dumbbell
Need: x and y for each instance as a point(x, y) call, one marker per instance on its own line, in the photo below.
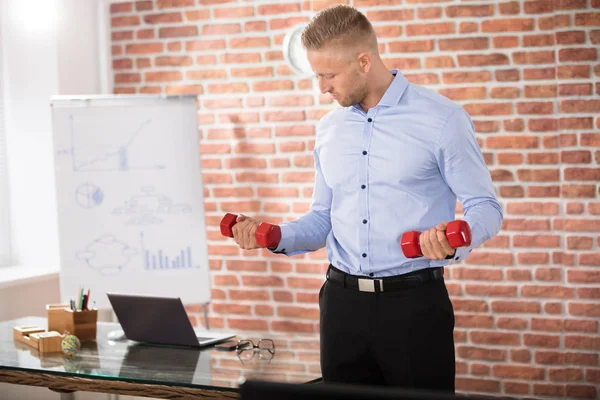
point(267, 235)
point(458, 234)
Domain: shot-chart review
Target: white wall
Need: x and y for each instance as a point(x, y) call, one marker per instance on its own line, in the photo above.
point(51, 47)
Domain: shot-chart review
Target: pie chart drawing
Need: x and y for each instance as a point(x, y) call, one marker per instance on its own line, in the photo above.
point(89, 195)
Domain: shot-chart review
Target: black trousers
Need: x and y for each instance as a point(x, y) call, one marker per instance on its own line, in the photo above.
point(398, 338)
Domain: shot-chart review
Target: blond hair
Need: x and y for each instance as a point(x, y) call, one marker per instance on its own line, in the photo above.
point(340, 25)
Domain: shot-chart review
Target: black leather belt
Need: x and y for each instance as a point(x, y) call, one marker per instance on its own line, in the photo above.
point(387, 284)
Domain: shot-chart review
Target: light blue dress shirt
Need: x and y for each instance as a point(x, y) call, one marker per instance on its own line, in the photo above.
point(399, 167)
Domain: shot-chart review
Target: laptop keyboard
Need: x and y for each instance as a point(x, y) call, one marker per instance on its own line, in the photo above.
point(200, 338)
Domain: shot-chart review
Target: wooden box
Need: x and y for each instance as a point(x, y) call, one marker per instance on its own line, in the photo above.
point(38, 338)
point(79, 323)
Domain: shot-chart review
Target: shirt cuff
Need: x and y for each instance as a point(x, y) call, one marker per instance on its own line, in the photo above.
point(461, 254)
point(287, 240)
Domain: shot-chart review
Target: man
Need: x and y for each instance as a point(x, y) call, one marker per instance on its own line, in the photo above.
point(394, 158)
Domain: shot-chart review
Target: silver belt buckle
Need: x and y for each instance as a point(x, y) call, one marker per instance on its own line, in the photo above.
point(368, 285)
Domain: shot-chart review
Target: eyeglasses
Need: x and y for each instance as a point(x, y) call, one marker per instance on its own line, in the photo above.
point(246, 349)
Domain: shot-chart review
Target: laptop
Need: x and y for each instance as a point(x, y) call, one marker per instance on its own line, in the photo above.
point(160, 320)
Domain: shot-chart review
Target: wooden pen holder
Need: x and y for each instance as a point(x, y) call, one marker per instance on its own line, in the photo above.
point(79, 323)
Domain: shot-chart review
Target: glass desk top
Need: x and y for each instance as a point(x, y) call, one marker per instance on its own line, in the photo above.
point(295, 359)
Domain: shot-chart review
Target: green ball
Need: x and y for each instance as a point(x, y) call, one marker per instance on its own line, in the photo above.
point(70, 345)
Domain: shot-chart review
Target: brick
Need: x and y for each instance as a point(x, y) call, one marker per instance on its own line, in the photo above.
point(575, 123)
point(549, 357)
point(518, 372)
point(570, 37)
point(578, 191)
point(205, 45)
point(491, 290)
point(477, 385)
point(429, 13)
point(289, 326)
point(511, 323)
point(587, 19)
point(221, 29)
point(574, 208)
point(520, 275)
point(538, 40)
point(286, 23)
point(512, 142)
point(391, 15)
point(476, 43)
point(464, 93)
point(161, 18)
point(533, 258)
point(197, 15)
point(526, 307)
point(234, 12)
point(575, 157)
point(468, 27)
point(577, 54)
point(123, 35)
point(573, 71)
point(581, 359)
point(495, 338)
point(466, 77)
point(581, 391)
point(482, 60)
point(542, 124)
point(273, 9)
point(548, 274)
point(542, 158)
point(584, 310)
point(505, 42)
point(518, 388)
point(539, 73)
point(247, 324)
point(508, 25)
point(505, 93)
point(441, 28)
point(545, 389)
point(410, 46)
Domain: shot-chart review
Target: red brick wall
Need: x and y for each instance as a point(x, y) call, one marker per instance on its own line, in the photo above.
point(527, 302)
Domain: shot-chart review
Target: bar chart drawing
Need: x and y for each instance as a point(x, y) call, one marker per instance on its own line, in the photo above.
point(110, 152)
point(160, 260)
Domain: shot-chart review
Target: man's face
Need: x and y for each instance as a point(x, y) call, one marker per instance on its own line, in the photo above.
point(339, 75)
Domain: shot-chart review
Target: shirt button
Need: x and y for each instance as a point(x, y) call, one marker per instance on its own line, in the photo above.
point(364, 153)
point(370, 120)
point(371, 274)
point(364, 255)
point(364, 221)
point(364, 187)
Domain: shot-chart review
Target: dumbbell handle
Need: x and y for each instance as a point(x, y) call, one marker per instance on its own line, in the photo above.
point(267, 235)
point(458, 234)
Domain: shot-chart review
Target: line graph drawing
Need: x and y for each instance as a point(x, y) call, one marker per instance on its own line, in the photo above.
point(107, 255)
point(159, 259)
point(147, 207)
point(88, 195)
point(109, 152)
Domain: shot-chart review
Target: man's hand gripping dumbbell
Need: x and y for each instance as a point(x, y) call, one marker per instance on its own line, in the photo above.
point(249, 233)
point(437, 243)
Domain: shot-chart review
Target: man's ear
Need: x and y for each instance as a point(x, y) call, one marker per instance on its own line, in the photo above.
point(364, 61)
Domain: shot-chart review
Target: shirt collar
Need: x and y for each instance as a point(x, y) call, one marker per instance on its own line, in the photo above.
point(394, 92)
